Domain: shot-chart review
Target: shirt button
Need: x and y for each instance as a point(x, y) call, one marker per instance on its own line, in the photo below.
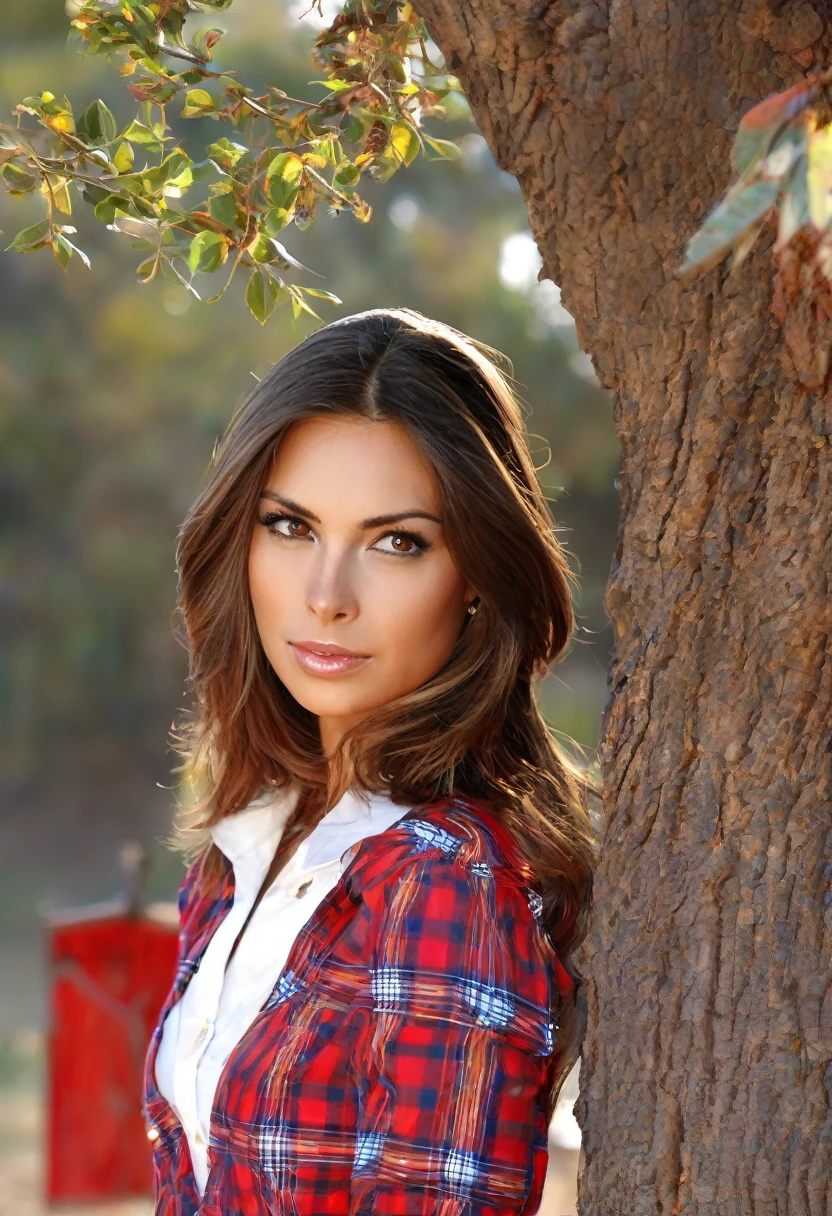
point(153, 1133)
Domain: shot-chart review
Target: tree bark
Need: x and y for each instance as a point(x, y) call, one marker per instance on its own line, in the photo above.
point(706, 1075)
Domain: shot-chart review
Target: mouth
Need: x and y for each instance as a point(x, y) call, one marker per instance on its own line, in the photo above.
point(325, 658)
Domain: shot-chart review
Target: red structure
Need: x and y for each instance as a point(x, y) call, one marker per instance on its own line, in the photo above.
point(111, 966)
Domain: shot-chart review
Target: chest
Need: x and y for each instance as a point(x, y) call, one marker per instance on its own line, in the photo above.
point(297, 988)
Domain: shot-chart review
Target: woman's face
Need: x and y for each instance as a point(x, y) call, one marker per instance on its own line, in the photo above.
point(348, 551)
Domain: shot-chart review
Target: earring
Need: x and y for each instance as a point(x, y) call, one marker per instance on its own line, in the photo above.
point(472, 608)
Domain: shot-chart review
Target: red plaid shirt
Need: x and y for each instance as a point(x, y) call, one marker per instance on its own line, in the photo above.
point(402, 1064)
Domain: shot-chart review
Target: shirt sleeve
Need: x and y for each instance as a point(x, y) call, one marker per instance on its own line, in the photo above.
point(453, 1064)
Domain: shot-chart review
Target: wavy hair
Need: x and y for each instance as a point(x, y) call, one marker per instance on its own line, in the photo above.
point(475, 727)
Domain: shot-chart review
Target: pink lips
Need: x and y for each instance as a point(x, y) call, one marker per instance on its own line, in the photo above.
point(326, 661)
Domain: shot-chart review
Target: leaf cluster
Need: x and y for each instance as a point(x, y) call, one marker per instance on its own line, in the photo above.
point(783, 156)
point(276, 159)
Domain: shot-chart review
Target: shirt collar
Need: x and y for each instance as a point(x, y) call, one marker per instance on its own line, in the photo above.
point(356, 815)
point(248, 838)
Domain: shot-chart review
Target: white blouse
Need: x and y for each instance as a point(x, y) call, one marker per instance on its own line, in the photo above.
point(219, 1005)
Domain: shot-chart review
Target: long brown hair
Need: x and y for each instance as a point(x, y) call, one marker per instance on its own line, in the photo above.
point(475, 727)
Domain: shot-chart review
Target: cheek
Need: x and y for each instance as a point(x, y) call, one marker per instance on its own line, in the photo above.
point(419, 625)
point(265, 586)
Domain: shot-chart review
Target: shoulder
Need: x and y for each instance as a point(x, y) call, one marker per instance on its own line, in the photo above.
point(444, 895)
point(461, 828)
point(450, 931)
point(459, 839)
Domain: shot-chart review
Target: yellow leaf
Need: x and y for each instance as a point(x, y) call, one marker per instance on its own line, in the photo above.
point(819, 177)
point(405, 141)
point(59, 192)
point(123, 159)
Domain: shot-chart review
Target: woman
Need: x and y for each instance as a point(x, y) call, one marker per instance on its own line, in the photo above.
point(390, 857)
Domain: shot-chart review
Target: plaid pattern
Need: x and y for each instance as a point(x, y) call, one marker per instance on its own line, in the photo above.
point(401, 1065)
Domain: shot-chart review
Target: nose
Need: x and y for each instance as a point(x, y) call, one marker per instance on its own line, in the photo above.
point(331, 594)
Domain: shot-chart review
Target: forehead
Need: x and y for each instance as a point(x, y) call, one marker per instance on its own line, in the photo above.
point(358, 464)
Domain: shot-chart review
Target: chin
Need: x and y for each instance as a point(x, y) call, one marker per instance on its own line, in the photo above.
point(333, 703)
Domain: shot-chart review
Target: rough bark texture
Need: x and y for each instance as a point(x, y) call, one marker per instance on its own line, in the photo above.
point(706, 1078)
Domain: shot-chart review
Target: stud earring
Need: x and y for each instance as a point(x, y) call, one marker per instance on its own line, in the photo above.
point(472, 608)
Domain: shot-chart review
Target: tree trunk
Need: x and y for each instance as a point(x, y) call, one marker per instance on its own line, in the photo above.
point(706, 1076)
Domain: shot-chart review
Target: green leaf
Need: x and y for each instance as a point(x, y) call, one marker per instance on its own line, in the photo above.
point(207, 252)
point(347, 174)
point(741, 208)
point(138, 133)
point(62, 250)
point(262, 248)
point(33, 237)
point(227, 153)
point(323, 295)
point(446, 148)
point(18, 181)
point(97, 123)
point(283, 178)
point(331, 149)
point(174, 170)
point(223, 207)
point(275, 221)
point(277, 291)
point(355, 130)
point(206, 168)
point(95, 194)
point(147, 269)
point(260, 301)
point(299, 304)
point(105, 210)
point(74, 248)
point(281, 194)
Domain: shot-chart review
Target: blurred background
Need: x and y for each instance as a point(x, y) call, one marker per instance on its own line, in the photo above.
point(112, 394)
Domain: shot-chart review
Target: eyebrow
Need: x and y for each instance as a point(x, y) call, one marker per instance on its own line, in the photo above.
point(376, 521)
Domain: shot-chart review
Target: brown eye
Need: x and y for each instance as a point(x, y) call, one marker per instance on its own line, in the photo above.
point(274, 523)
point(404, 544)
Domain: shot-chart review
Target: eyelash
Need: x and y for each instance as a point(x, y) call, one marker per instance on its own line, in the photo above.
point(272, 517)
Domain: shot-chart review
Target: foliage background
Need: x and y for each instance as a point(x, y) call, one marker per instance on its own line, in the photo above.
point(111, 396)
